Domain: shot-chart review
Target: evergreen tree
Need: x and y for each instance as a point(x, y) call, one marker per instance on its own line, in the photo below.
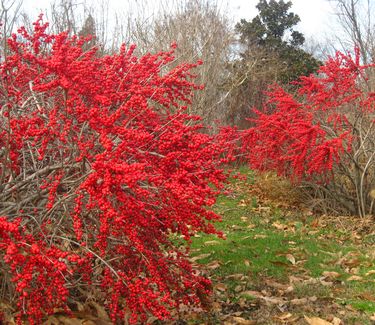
point(272, 31)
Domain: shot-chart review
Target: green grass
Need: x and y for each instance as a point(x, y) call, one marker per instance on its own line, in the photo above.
point(263, 243)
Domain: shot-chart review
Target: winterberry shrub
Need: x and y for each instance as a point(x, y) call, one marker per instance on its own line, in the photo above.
point(100, 168)
point(323, 135)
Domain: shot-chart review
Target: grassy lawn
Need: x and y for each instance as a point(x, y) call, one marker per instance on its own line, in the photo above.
point(282, 265)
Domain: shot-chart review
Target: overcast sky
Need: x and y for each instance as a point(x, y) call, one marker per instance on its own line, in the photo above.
point(315, 14)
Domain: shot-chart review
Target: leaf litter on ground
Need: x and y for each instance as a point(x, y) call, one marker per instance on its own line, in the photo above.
point(287, 266)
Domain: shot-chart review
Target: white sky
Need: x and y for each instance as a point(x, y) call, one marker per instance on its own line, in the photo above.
point(315, 14)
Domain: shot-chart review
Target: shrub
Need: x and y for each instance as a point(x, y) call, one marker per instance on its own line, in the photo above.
point(100, 166)
point(322, 136)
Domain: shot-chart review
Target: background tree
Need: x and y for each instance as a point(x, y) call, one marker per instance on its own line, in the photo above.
point(10, 12)
point(273, 30)
point(208, 37)
point(356, 26)
point(272, 49)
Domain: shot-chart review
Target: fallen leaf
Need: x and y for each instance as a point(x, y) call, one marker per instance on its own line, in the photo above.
point(237, 313)
point(279, 226)
point(236, 276)
point(211, 242)
point(370, 272)
point(255, 294)
point(299, 301)
point(291, 258)
point(354, 278)
point(247, 262)
point(352, 262)
point(242, 203)
point(279, 263)
point(336, 321)
point(284, 316)
point(331, 274)
point(280, 286)
point(213, 265)
point(260, 236)
point(238, 288)
point(216, 306)
point(316, 321)
point(326, 283)
point(243, 321)
point(367, 296)
point(221, 287)
point(274, 300)
point(199, 257)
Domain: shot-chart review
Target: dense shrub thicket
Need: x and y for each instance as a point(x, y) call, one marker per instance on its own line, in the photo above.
point(100, 168)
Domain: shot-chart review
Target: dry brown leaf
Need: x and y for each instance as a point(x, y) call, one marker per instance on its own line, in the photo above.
point(242, 321)
point(331, 274)
point(336, 321)
point(242, 203)
point(326, 283)
point(213, 265)
point(354, 278)
point(255, 294)
point(279, 226)
point(236, 276)
point(216, 306)
point(291, 258)
point(352, 262)
point(299, 301)
point(284, 316)
point(367, 296)
point(295, 279)
point(274, 300)
point(279, 263)
point(279, 286)
point(316, 321)
point(211, 242)
point(221, 287)
point(370, 272)
point(238, 288)
point(247, 262)
point(237, 313)
point(260, 236)
point(199, 257)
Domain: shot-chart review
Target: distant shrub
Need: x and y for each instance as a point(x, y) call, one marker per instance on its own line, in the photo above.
point(323, 136)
